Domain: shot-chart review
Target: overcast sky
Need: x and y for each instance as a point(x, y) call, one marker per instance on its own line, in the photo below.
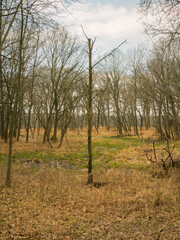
point(111, 22)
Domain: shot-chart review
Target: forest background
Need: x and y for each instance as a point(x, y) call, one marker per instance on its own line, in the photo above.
point(46, 103)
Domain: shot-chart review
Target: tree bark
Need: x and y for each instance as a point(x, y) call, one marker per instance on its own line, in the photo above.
point(90, 177)
point(1, 79)
point(14, 111)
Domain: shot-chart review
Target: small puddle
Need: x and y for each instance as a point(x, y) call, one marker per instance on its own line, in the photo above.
point(36, 163)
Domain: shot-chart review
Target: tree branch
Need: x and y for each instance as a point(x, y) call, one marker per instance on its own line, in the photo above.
point(84, 32)
point(109, 53)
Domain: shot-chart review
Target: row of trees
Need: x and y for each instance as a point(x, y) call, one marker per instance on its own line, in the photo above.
point(141, 90)
point(129, 92)
point(44, 80)
point(22, 22)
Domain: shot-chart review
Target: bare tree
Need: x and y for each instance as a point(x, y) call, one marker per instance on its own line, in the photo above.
point(91, 43)
point(135, 64)
point(161, 18)
point(114, 75)
point(15, 15)
point(63, 64)
point(8, 13)
point(160, 85)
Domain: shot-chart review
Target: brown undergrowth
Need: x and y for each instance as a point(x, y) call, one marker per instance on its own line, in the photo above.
point(47, 202)
point(51, 203)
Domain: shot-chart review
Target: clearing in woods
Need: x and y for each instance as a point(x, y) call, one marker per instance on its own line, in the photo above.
point(50, 198)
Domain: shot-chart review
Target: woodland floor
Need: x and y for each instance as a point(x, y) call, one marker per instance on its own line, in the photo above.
point(50, 199)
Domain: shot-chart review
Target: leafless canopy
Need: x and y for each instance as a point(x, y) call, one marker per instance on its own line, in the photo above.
point(161, 18)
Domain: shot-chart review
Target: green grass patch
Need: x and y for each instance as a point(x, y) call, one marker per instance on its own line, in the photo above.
point(40, 155)
point(111, 163)
point(3, 157)
point(116, 144)
point(106, 153)
point(115, 164)
point(73, 157)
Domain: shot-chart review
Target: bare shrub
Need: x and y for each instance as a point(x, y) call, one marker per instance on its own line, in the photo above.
point(162, 160)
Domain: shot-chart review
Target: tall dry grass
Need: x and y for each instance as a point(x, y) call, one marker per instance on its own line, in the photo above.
point(47, 203)
point(56, 203)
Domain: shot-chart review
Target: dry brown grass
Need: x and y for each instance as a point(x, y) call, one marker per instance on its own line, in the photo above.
point(70, 139)
point(56, 203)
point(150, 133)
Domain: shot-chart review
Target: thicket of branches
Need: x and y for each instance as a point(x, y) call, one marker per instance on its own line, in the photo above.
point(44, 79)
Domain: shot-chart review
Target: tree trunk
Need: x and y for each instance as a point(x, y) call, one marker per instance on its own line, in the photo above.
point(20, 120)
point(28, 124)
point(14, 111)
point(55, 123)
point(108, 116)
point(135, 106)
point(1, 80)
point(90, 177)
point(8, 112)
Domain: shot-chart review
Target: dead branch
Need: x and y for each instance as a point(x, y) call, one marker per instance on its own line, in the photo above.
point(125, 41)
